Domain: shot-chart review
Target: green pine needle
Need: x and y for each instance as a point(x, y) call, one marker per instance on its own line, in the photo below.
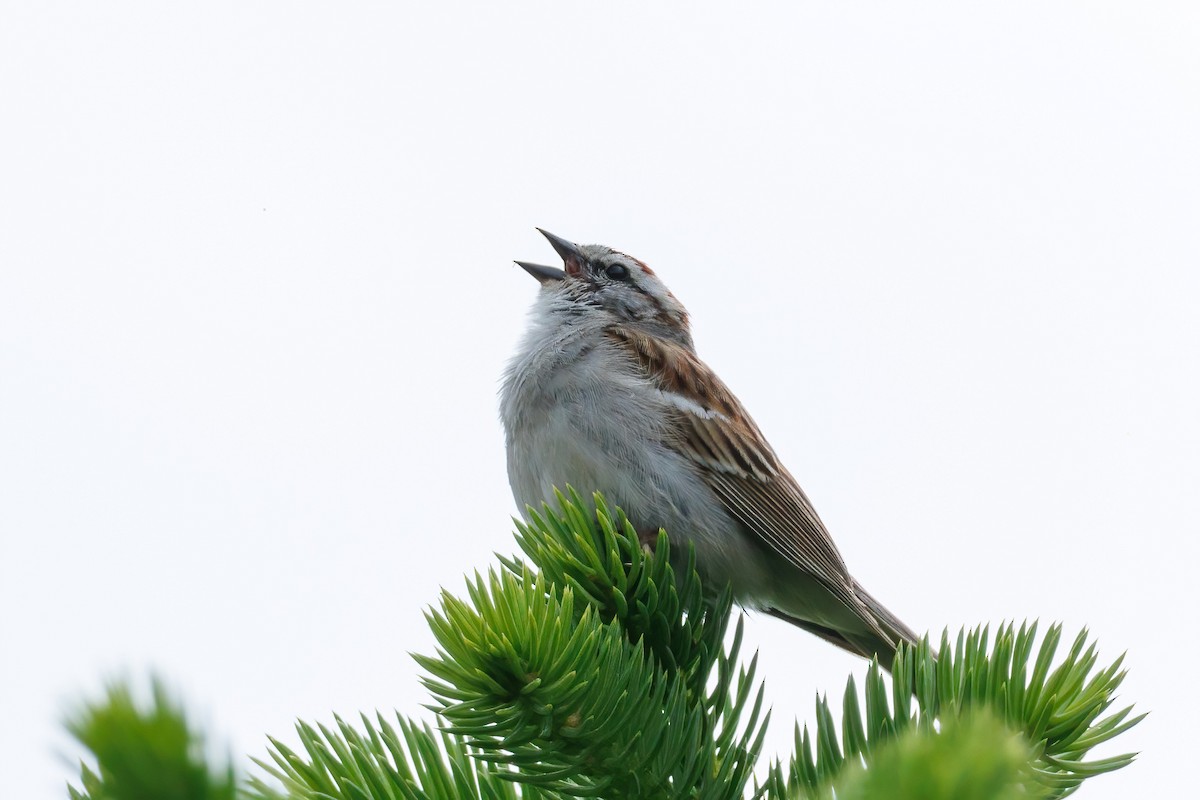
point(383, 761)
point(145, 752)
point(627, 692)
point(974, 757)
point(1058, 712)
point(594, 667)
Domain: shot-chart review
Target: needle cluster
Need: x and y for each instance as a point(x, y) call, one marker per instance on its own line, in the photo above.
point(589, 667)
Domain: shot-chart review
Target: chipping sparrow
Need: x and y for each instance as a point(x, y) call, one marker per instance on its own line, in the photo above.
point(606, 393)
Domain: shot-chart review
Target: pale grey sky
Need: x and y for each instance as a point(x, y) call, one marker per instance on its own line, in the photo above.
point(256, 293)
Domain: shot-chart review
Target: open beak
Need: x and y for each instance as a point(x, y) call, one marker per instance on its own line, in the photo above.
point(542, 273)
point(572, 261)
point(567, 251)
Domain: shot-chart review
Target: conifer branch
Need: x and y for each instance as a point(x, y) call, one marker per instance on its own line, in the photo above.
point(591, 667)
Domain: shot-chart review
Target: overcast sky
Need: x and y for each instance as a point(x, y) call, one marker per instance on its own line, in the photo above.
point(256, 293)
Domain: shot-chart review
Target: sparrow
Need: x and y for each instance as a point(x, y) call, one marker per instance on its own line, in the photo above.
point(606, 393)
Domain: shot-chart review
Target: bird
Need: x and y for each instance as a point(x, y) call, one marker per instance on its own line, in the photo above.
point(606, 393)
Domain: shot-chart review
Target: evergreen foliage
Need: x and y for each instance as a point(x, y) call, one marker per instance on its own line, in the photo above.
point(1056, 711)
point(405, 760)
point(143, 754)
point(974, 756)
point(589, 667)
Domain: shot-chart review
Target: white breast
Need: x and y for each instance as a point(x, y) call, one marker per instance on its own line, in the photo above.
point(576, 410)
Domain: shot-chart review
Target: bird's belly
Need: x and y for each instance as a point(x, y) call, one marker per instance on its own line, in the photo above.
point(650, 483)
point(655, 487)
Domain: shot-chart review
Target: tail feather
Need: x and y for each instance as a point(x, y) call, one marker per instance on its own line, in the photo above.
point(885, 634)
point(828, 634)
point(890, 623)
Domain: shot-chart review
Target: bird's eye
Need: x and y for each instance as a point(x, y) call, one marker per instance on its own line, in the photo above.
point(618, 272)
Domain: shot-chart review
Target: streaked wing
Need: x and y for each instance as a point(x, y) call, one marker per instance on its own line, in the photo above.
point(742, 469)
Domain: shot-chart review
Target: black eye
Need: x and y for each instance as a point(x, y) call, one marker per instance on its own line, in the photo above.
point(617, 272)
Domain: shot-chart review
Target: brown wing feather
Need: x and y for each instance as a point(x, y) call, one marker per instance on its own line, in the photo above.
point(740, 466)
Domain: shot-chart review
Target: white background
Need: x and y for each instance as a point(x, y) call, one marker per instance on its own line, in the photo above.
point(256, 294)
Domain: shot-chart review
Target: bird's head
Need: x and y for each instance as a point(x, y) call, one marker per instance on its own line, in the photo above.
point(600, 282)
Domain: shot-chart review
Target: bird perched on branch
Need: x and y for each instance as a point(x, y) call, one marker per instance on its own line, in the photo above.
point(606, 393)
